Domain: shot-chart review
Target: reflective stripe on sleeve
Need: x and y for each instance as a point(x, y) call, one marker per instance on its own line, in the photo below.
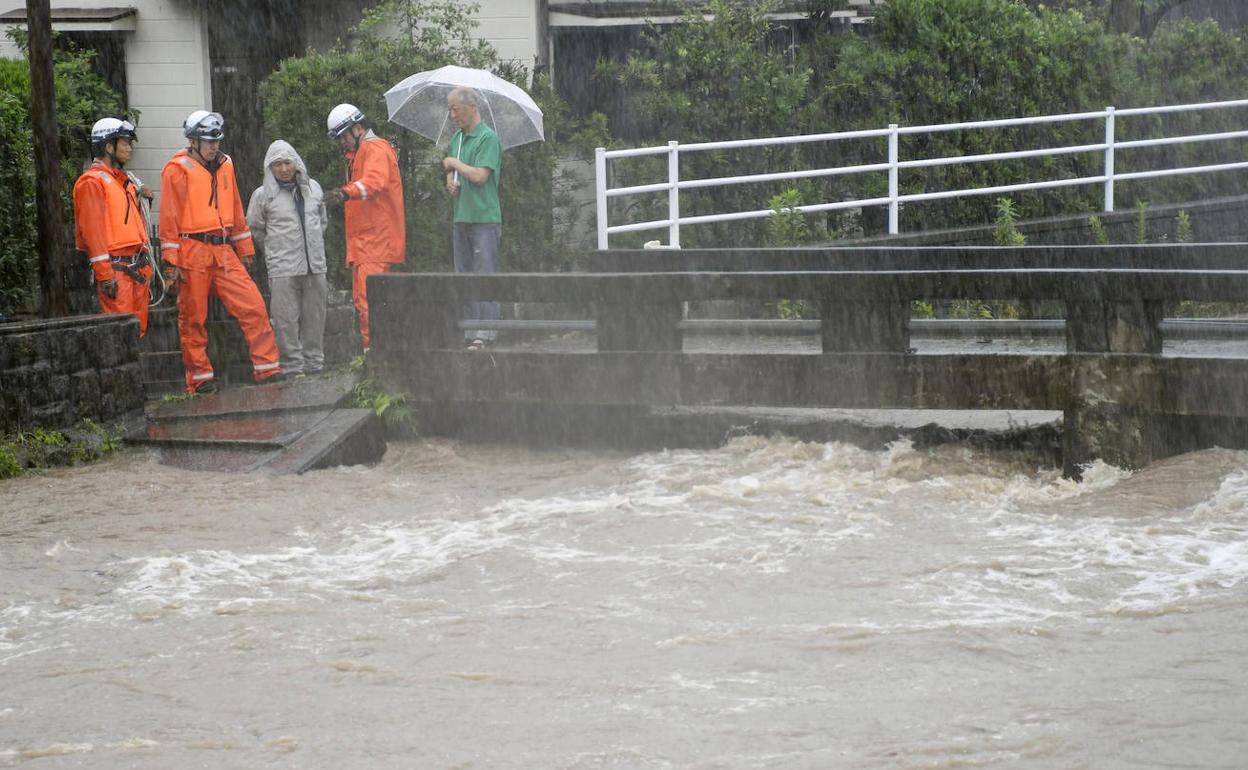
point(363, 192)
point(168, 245)
point(240, 236)
point(101, 258)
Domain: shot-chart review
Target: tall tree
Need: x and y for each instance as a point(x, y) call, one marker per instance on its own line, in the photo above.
point(49, 214)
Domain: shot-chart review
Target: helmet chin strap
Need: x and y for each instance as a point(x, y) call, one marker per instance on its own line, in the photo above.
point(111, 155)
point(196, 147)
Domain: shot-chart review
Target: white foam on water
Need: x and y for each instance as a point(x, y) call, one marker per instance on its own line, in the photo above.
point(1067, 564)
point(756, 505)
point(62, 547)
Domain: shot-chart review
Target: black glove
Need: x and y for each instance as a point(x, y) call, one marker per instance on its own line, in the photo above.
point(336, 197)
point(109, 287)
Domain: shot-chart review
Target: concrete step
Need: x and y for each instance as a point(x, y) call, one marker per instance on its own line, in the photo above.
point(343, 437)
point(287, 427)
point(271, 430)
point(299, 393)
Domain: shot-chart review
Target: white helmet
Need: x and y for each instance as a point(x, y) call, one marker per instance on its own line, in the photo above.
point(202, 124)
point(341, 118)
point(108, 130)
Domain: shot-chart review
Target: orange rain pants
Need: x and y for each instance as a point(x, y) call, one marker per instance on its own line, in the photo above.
point(227, 280)
point(131, 296)
point(373, 213)
point(359, 280)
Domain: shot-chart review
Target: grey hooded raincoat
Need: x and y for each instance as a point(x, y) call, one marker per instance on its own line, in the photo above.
point(289, 249)
point(288, 224)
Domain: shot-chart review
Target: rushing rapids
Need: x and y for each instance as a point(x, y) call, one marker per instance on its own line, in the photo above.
point(771, 603)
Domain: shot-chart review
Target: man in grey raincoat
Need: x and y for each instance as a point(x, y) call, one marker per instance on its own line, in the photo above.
point(287, 220)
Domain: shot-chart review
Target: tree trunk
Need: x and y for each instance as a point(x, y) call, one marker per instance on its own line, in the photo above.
point(50, 219)
point(1123, 17)
point(1137, 17)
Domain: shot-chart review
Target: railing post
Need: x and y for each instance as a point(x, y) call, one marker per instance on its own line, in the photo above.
point(600, 194)
point(893, 206)
point(673, 194)
point(1109, 158)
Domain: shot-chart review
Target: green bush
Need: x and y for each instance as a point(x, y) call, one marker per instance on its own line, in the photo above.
point(1005, 231)
point(714, 75)
point(297, 97)
point(921, 63)
point(38, 449)
point(82, 97)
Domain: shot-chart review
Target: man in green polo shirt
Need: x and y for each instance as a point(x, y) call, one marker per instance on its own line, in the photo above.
point(472, 168)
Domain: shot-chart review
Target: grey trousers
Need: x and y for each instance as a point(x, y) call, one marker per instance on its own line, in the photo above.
point(297, 306)
point(475, 249)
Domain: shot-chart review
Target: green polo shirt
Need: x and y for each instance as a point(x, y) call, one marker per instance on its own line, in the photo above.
point(478, 203)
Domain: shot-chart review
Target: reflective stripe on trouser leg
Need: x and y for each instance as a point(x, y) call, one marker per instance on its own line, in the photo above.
point(234, 287)
point(359, 283)
point(192, 312)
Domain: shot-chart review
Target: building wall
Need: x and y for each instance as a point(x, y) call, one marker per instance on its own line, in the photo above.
point(511, 27)
point(167, 72)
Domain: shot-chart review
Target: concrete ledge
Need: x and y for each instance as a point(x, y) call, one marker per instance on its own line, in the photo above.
point(344, 437)
point(288, 427)
point(1037, 434)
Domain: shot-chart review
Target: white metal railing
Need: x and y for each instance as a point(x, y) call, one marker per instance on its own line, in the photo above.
point(893, 166)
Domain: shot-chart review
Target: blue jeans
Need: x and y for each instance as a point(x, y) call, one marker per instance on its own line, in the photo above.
point(475, 248)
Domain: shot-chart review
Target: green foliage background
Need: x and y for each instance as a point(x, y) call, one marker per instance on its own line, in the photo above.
point(82, 97)
point(729, 74)
point(299, 95)
point(732, 75)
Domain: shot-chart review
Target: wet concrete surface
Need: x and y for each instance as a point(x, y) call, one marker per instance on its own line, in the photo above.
point(286, 427)
point(1036, 432)
point(265, 430)
point(294, 394)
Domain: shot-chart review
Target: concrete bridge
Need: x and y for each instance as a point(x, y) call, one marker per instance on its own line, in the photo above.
point(1122, 400)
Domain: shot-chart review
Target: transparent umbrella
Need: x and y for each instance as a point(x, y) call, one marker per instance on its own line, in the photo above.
point(418, 103)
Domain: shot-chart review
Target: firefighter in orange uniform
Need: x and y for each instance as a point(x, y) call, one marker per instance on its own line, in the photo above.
point(373, 194)
point(109, 224)
point(203, 235)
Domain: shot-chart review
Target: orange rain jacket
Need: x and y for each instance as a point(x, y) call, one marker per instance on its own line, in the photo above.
point(374, 206)
point(194, 200)
point(108, 222)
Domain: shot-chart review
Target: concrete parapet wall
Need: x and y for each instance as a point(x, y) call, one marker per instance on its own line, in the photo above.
point(1123, 402)
point(54, 373)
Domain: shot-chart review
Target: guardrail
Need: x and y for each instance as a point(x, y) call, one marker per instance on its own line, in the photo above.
point(894, 166)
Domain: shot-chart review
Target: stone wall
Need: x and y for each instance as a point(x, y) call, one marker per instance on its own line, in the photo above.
point(54, 373)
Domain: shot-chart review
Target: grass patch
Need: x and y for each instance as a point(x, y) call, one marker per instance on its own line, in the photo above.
point(39, 449)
